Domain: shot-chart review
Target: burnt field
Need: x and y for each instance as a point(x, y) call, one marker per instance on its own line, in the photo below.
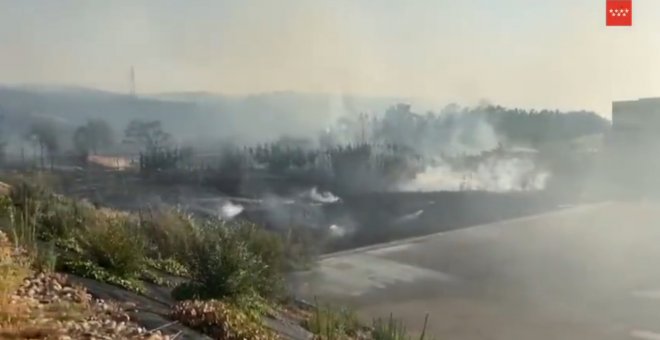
point(384, 217)
point(366, 219)
point(343, 222)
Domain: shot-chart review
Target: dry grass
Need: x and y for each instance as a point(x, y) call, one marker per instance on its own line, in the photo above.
point(220, 320)
point(5, 189)
point(25, 318)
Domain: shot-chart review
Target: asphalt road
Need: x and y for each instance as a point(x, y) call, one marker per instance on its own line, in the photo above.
point(581, 273)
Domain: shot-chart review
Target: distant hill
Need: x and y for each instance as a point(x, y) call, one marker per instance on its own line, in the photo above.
point(187, 115)
point(72, 106)
point(206, 118)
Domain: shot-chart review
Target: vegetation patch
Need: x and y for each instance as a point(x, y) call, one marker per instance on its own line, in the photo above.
point(221, 320)
point(393, 329)
point(333, 323)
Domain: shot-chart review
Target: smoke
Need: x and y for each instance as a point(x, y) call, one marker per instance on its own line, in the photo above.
point(471, 135)
point(409, 217)
point(230, 210)
point(498, 175)
point(337, 231)
point(322, 197)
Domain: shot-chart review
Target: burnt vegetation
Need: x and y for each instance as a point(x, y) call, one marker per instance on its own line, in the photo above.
point(229, 270)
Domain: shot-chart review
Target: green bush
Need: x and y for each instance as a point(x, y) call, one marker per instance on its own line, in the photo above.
point(46, 258)
point(116, 245)
point(21, 223)
point(171, 233)
point(222, 265)
point(169, 266)
point(62, 217)
point(333, 323)
point(86, 268)
point(269, 247)
point(24, 190)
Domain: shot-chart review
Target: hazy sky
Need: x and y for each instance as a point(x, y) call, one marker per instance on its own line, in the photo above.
point(529, 53)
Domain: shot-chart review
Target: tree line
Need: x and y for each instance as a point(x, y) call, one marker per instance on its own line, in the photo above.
point(382, 140)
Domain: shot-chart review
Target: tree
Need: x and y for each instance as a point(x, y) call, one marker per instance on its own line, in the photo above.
point(146, 135)
point(93, 136)
point(43, 135)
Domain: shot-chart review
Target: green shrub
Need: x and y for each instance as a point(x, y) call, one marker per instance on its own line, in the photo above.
point(86, 268)
point(232, 260)
point(46, 258)
point(151, 276)
point(269, 247)
point(333, 323)
point(171, 233)
point(169, 266)
point(21, 223)
point(23, 190)
point(116, 245)
point(62, 217)
point(222, 265)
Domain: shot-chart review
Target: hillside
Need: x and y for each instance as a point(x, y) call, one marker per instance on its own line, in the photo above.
point(187, 115)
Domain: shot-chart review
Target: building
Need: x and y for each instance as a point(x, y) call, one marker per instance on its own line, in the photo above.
point(636, 122)
point(633, 146)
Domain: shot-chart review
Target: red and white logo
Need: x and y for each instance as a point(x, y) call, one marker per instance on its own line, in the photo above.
point(619, 13)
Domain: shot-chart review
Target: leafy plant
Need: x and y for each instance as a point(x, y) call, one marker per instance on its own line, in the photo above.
point(116, 245)
point(171, 234)
point(269, 247)
point(332, 323)
point(169, 266)
point(61, 217)
point(91, 270)
point(23, 224)
point(220, 320)
point(222, 265)
point(46, 258)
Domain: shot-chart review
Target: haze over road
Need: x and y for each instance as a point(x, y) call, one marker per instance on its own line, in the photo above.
point(581, 273)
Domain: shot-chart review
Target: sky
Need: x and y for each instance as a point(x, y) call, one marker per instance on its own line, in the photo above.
point(522, 53)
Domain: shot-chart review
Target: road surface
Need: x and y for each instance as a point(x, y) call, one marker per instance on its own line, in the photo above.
point(581, 273)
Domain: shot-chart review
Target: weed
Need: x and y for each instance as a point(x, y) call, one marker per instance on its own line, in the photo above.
point(14, 267)
point(23, 224)
point(332, 323)
point(222, 265)
point(91, 270)
point(392, 329)
point(171, 233)
point(46, 258)
point(269, 247)
point(169, 266)
point(115, 245)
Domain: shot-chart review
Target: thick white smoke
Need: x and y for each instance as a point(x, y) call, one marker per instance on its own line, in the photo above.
point(495, 174)
point(337, 231)
point(230, 210)
point(322, 197)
